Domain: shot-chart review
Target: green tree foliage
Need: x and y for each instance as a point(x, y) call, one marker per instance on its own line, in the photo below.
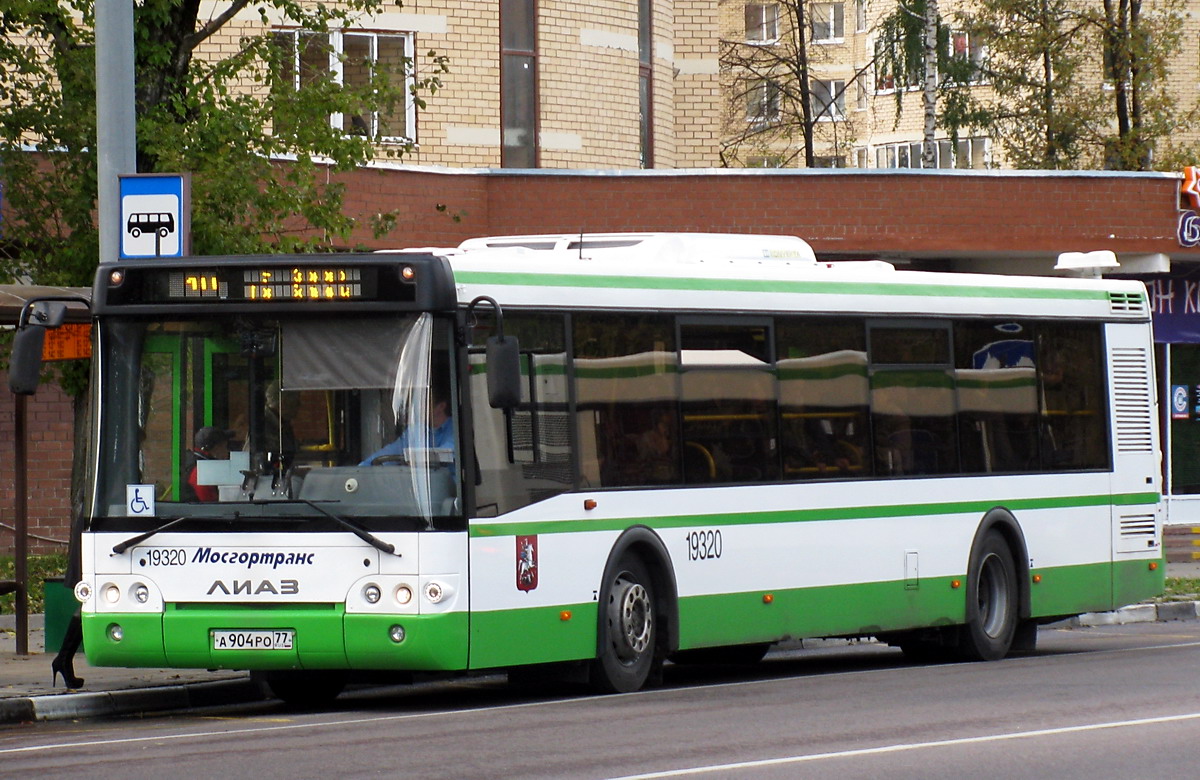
point(1040, 108)
point(1140, 41)
point(1045, 61)
point(226, 120)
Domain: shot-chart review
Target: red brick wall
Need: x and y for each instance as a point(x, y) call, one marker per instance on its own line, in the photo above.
point(840, 213)
point(50, 430)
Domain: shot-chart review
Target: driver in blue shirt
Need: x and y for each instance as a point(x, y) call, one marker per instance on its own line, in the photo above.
point(440, 434)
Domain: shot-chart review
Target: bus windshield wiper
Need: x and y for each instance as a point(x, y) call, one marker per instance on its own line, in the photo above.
point(353, 528)
point(125, 545)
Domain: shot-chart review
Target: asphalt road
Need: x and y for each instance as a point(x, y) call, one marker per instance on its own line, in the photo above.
point(1112, 702)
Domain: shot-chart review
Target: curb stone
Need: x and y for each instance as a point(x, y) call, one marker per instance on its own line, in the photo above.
point(67, 706)
point(1140, 613)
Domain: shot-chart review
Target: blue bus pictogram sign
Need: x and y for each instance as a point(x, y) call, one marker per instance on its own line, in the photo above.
point(155, 215)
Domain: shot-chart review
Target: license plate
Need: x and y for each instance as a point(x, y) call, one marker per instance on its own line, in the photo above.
point(253, 640)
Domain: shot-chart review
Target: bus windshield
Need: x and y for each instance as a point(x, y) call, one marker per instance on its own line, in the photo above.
point(275, 417)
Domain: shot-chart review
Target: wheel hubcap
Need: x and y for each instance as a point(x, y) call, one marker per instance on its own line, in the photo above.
point(993, 596)
point(630, 617)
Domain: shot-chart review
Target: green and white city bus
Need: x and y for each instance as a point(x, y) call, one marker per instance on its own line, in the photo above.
point(615, 450)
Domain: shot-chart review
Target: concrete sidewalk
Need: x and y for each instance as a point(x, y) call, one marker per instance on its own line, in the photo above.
point(26, 693)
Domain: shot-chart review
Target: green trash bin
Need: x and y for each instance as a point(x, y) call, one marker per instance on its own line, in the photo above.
point(60, 606)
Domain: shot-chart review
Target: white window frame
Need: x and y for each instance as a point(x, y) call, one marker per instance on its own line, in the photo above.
point(769, 22)
point(897, 83)
point(860, 16)
point(980, 146)
point(337, 46)
point(759, 96)
point(889, 156)
point(835, 109)
point(975, 52)
point(832, 15)
point(764, 161)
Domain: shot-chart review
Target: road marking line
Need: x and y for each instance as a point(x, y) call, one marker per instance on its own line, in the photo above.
point(555, 702)
point(766, 762)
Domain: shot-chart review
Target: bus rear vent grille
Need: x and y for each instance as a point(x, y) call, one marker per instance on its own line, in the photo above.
point(1132, 399)
point(1127, 303)
point(1137, 533)
point(1137, 525)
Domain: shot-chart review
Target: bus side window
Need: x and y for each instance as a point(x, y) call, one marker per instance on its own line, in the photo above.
point(823, 398)
point(729, 406)
point(1074, 428)
point(996, 390)
point(912, 400)
point(524, 454)
point(627, 393)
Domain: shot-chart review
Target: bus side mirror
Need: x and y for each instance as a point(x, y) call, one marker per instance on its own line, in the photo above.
point(503, 372)
point(25, 364)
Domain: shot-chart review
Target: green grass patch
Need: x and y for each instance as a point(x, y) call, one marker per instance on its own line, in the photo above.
point(1182, 589)
point(39, 567)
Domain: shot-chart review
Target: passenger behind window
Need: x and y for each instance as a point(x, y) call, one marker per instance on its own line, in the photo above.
point(657, 458)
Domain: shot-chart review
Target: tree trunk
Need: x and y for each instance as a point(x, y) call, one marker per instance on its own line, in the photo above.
point(929, 96)
point(805, 93)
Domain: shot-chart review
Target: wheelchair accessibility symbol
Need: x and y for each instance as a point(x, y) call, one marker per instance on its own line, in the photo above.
point(139, 500)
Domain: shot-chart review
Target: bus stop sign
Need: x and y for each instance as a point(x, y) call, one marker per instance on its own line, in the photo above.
point(156, 215)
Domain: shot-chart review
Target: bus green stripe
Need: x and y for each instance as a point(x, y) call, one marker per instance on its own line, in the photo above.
point(990, 384)
point(491, 529)
point(769, 286)
point(936, 379)
point(829, 372)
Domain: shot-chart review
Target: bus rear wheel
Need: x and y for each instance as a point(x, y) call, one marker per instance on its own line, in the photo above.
point(628, 646)
point(992, 601)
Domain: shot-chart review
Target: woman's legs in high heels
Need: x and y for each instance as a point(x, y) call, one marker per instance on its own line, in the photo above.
point(64, 662)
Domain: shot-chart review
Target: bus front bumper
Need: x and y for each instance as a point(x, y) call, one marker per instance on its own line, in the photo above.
point(321, 636)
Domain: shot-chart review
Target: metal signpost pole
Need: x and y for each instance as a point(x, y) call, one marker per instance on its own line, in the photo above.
point(116, 129)
point(21, 572)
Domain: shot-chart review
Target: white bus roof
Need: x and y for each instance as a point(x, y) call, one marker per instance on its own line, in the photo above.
point(657, 247)
point(714, 272)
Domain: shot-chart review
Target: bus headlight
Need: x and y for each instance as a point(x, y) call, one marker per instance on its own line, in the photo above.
point(112, 594)
point(434, 592)
point(396, 633)
point(141, 593)
point(403, 595)
point(115, 632)
point(83, 592)
point(372, 593)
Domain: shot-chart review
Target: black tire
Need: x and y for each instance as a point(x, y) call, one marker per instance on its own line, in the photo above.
point(305, 690)
point(628, 625)
point(992, 601)
point(1025, 639)
point(732, 655)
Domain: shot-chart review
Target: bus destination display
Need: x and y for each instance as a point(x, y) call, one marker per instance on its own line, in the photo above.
point(318, 283)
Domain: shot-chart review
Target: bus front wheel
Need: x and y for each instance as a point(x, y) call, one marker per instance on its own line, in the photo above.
point(628, 630)
point(992, 601)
